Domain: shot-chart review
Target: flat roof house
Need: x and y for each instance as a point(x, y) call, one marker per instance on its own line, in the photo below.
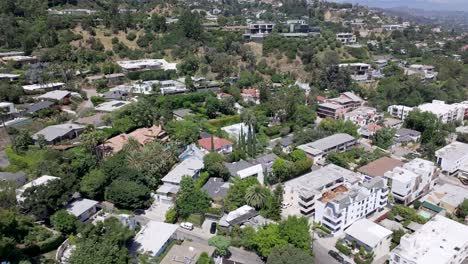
point(318, 149)
point(153, 238)
point(412, 180)
point(10, 77)
point(451, 157)
point(82, 208)
point(43, 87)
point(439, 241)
point(235, 130)
point(447, 196)
point(111, 106)
point(336, 107)
point(43, 180)
point(146, 64)
point(373, 237)
point(57, 133)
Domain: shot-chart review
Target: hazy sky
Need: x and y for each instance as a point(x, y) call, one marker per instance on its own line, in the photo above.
point(456, 5)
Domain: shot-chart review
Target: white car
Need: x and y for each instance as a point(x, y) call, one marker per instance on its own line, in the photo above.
point(285, 205)
point(186, 225)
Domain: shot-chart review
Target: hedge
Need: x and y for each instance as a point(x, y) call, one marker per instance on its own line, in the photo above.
point(196, 219)
point(214, 211)
point(342, 248)
point(47, 245)
point(224, 121)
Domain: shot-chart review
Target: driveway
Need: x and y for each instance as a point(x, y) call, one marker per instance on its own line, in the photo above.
point(4, 162)
point(157, 211)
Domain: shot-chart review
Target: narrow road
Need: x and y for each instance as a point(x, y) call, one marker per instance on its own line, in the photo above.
point(321, 255)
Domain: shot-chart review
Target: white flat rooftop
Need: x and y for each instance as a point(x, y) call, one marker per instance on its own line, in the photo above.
point(153, 236)
point(368, 232)
point(438, 241)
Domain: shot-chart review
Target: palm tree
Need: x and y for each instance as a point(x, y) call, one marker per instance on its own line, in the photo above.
point(255, 196)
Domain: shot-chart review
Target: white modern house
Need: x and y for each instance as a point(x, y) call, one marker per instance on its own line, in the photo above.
point(153, 238)
point(111, 106)
point(83, 209)
point(399, 111)
point(236, 130)
point(452, 157)
point(43, 87)
point(373, 237)
point(346, 38)
point(146, 64)
point(412, 180)
point(340, 207)
point(8, 107)
point(439, 241)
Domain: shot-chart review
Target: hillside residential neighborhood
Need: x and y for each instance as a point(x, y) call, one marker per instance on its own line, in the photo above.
point(232, 132)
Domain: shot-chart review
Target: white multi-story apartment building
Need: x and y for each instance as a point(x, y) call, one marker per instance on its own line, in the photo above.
point(346, 38)
point(452, 157)
point(412, 180)
point(439, 241)
point(399, 111)
point(303, 192)
point(446, 113)
point(340, 207)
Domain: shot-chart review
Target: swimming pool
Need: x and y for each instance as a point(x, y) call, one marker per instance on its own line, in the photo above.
point(425, 214)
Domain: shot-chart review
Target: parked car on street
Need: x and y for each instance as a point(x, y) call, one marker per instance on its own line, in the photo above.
point(336, 256)
point(186, 225)
point(213, 228)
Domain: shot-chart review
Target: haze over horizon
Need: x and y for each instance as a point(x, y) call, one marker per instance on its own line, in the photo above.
point(445, 5)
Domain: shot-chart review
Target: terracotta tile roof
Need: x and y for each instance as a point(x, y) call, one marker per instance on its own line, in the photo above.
point(321, 98)
point(217, 142)
point(254, 92)
point(142, 135)
point(373, 127)
point(380, 166)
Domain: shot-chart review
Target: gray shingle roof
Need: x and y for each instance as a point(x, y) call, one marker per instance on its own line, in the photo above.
point(234, 167)
point(53, 132)
point(33, 108)
point(216, 188)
